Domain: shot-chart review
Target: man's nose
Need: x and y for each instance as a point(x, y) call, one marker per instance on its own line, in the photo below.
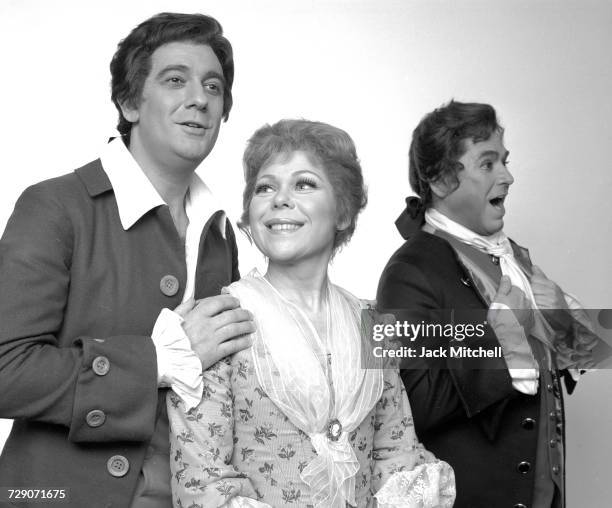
point(196, 96)
point(506, 177)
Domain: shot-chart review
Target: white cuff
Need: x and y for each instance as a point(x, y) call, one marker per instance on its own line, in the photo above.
point(430, 485)
point(177, 365)
point(498, 306)
point(525, 380)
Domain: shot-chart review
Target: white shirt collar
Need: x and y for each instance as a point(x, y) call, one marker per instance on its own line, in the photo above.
point(135, 194)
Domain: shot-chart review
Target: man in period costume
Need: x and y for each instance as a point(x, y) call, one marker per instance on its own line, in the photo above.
point(500, 426)
point(90, 263)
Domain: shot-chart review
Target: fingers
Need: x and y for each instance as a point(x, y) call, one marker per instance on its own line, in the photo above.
point(229, 347)
point(539, 281)
point(505, 286)
point(213, 305)
point(234, 330)
point(224, 349)
point(231, 316)
point(518, 298)
point(513, 298)
point(185, 307)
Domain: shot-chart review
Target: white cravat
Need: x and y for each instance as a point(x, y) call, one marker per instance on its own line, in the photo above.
point(496, 245)
point(524, 380)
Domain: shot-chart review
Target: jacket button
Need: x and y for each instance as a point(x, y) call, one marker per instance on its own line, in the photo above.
point(169, 285)
point(552, 415)
point(519, 505)
point(549, 387)
point(465, 281)
point(555, 469)
point(495, 260)
point(523, 467)
point(118, 466)
point(95, 418)
point(553, 443)
point(101, 365)
point(528, 423)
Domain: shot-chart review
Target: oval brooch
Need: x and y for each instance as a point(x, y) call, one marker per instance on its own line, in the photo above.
point(334, 429)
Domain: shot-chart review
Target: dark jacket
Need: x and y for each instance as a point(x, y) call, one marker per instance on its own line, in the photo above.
point(78, 300)
point(473, 419)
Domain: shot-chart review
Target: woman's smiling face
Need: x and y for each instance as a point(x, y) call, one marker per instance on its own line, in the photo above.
point(293, 213)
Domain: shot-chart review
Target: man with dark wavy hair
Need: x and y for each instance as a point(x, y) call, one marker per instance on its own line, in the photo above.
point(499, 423)
point(92, 261)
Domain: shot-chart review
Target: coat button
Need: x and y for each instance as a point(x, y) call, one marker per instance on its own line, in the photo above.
point(523, 467)
point(528, 423)
point(101, 365)
point(519, 505)
point(495, 260)
point(553, 443)
point(466, 281)
point(553, 416)
point(169, 285)
point(549, 387)
point(95, 418)
point(556, 469)
point(118, 466)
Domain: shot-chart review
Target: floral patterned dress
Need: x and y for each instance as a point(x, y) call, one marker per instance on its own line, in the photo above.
point(236, 442)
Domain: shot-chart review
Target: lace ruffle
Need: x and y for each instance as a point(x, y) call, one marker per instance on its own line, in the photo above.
point(430, 485)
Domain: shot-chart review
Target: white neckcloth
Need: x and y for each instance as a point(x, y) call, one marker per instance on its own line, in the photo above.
point(524, 379)
point(495, 245)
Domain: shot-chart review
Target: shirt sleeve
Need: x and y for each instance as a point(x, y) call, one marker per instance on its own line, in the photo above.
point(202, 445)
point(178, 366)
point(522, 366)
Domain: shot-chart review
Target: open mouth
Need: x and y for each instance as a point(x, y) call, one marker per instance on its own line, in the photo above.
point(498, 202)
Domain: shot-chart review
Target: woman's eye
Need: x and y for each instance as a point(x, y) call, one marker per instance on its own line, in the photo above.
point(488, 165)
point(262, 188)
point(305, 184)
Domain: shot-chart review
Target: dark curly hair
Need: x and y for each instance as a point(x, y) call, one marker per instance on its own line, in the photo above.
point(131, 62)
point(328, 147)
point(439, 141)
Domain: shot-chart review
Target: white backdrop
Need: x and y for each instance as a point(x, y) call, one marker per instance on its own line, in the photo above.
point(373, 68)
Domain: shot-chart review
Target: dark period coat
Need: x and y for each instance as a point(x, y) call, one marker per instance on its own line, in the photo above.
point(473, 419)
point(78, 300)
